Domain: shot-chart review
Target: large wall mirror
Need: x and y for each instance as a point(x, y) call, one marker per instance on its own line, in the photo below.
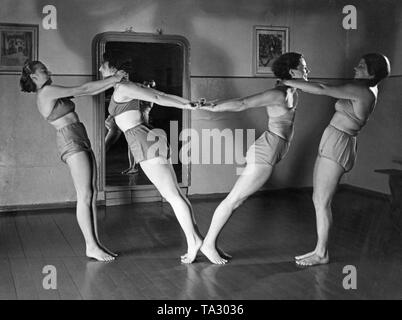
point(158, 61)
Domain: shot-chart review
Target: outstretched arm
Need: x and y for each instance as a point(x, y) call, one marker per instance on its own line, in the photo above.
point(264, 99)
point(132, 90)
point(345, 91)
point(90, 88)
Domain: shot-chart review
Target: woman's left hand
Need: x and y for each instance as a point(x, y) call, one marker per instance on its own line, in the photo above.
point(197, 104)
point(121, 75)
point(193, 105)
point(208, 104)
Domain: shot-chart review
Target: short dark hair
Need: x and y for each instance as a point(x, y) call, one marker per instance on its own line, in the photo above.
point(284, 63)
point(118, 60)
point(378, 66)
point(26, 82)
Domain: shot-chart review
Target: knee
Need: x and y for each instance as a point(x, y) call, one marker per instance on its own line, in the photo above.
point(321, 201)
point(234, 202)
point(172, 197)
point(85, 196)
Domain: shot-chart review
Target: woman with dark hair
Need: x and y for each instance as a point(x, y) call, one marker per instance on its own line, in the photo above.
point(55, 105)
point(338, 146)
point(280, 103)
point(149, 147)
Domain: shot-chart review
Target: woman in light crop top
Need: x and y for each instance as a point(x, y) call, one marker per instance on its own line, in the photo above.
point(280, 104)
point(149, 147)
point(338, 146)
point(55, 105)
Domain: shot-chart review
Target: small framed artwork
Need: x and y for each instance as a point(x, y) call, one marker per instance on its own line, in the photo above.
point(18, 43)
point(269, 44)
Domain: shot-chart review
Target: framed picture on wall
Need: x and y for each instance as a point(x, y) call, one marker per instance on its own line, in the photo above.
point(269, 43)
point(18, 43)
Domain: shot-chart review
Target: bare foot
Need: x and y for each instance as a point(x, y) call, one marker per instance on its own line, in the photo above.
point(305, 255)
point(224, 254)
point(133, 170)
point(98, 254)
point(192, 250)
point(212, 254)
point(313, 260)
point(108, 251)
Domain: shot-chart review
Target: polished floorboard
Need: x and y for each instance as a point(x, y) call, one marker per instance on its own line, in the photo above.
point(263, 236)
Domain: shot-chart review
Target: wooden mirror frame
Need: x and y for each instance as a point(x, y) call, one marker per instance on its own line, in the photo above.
point(98, 48)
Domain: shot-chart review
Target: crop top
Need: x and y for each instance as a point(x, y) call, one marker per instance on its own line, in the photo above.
point(116, 108)
point(283, 125)
point(62, 107)
point(345, 107)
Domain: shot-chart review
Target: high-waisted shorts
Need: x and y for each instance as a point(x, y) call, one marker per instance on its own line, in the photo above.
point(338, 146)
point(72, 139)
point(147, 143)
point(268, 149)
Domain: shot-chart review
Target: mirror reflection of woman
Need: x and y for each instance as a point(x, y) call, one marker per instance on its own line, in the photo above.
point(280, 103)
point(338, 146)
point(55, 105)
point(155, 162)
point(113, 132)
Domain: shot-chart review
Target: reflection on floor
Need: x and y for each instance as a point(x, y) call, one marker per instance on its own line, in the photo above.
point(263, 236)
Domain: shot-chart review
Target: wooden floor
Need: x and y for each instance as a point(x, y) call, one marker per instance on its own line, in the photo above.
point(263, 236)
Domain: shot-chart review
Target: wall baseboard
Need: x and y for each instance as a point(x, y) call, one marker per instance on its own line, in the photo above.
point(212, 196)
point(366, 192)
point(43, 206)
point(341, 187)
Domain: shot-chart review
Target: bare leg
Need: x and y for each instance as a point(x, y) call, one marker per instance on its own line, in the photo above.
point(81, 171)
point(251, 180)
point(93, 203)
point(132, 166)
point(159, 171)
point(221, 252)
point(327, 174)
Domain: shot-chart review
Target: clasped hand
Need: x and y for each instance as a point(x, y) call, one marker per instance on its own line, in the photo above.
point(121, 75)
point(202, 104)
